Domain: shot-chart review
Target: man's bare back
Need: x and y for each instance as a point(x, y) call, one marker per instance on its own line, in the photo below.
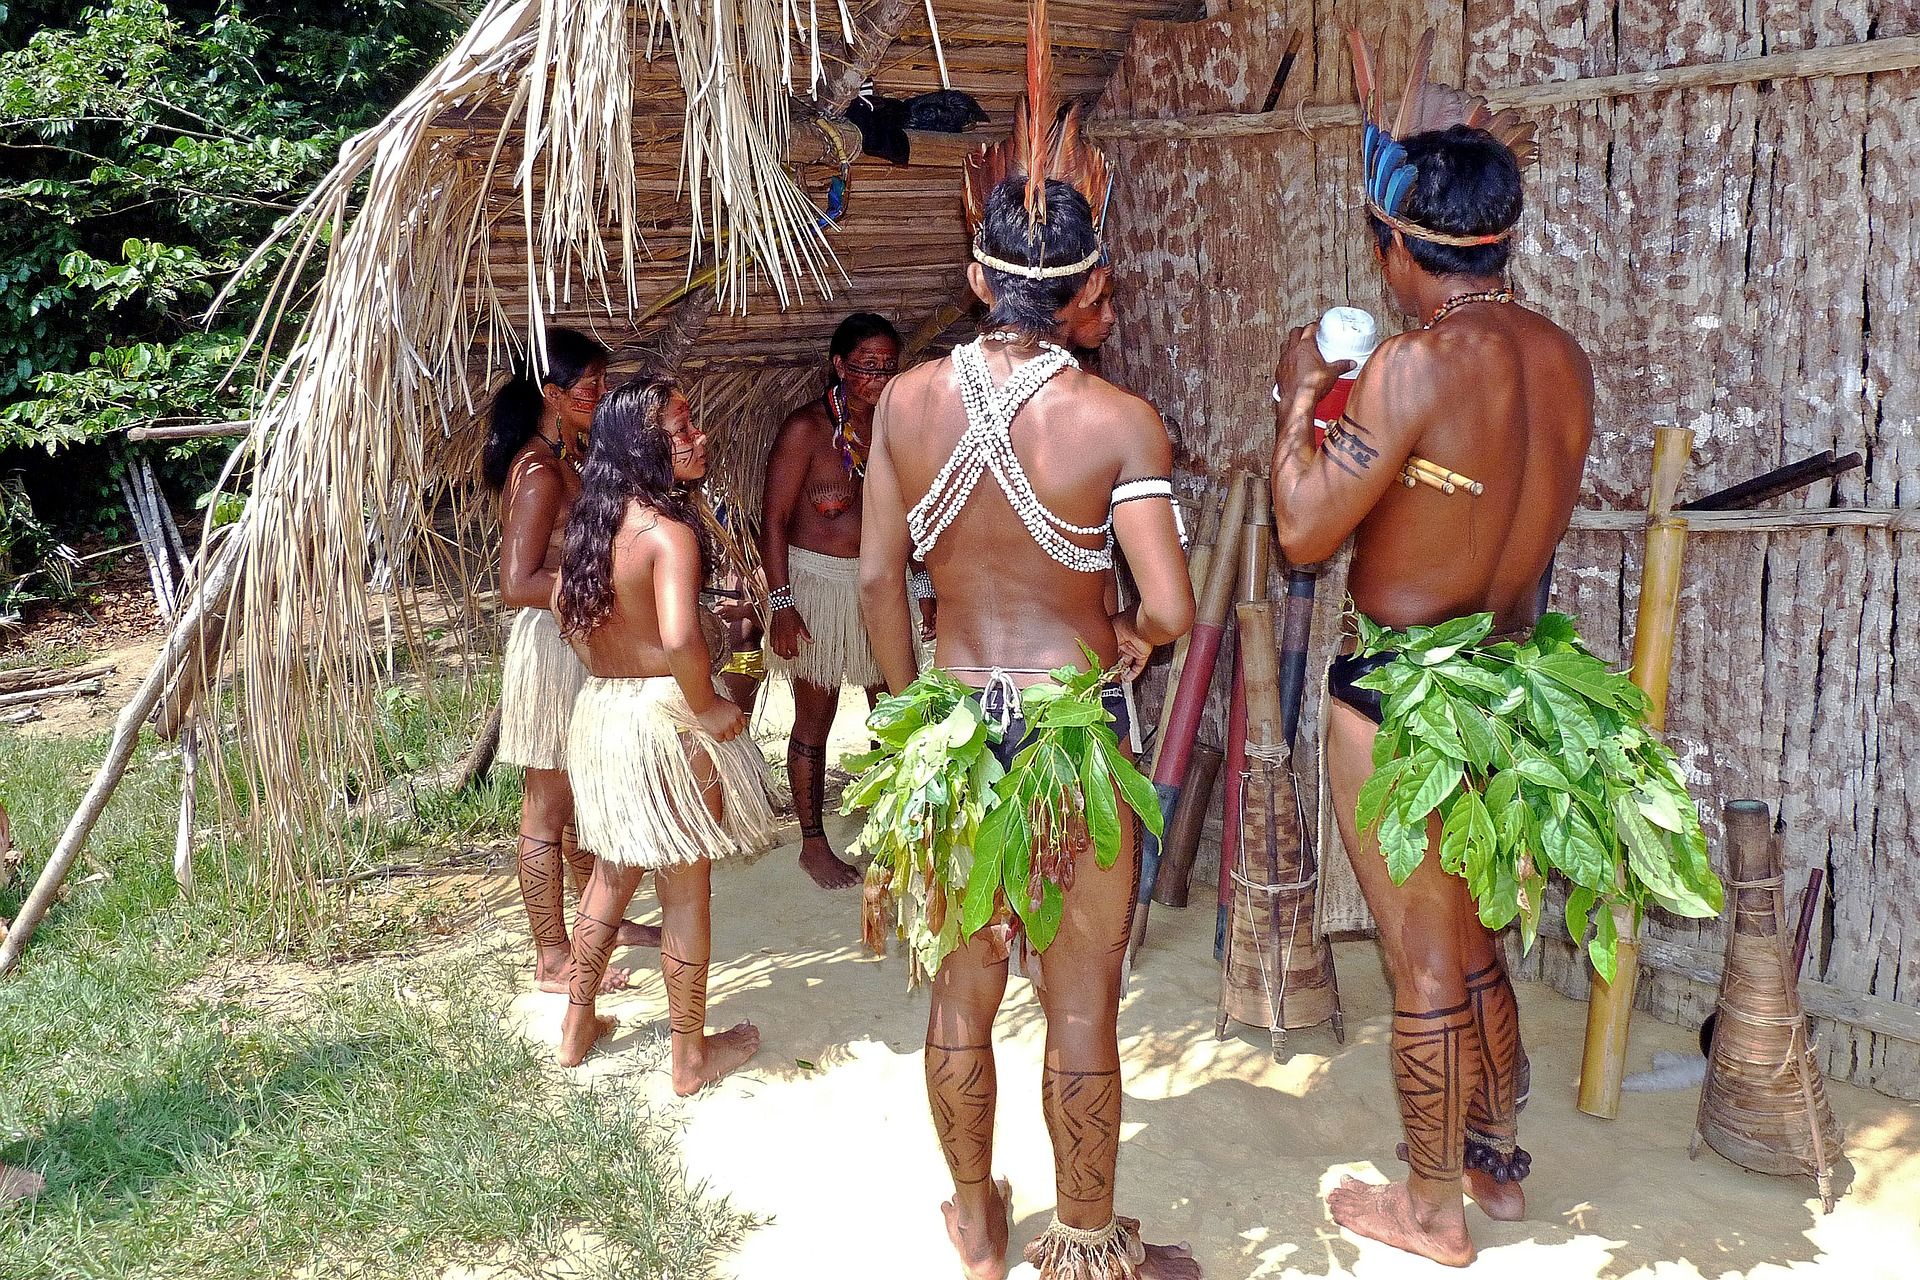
point(1004, 601)
point(1498, 393)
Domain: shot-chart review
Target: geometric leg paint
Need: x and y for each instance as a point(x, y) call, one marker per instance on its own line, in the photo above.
point(961, 1090)
point(1434, 1065)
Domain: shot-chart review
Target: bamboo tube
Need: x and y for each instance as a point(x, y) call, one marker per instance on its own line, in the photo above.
point(1188, 700)
point(1420, 471)
point(1660, 578)
point(1189, 822)
point(1610, 1006)
point(1603, 1065)
point(1296, 638)
point(1255, 557)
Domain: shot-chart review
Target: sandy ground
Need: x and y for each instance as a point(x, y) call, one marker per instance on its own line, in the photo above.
point(826, 1135)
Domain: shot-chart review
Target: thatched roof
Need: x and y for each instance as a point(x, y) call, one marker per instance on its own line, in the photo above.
point(551, 169)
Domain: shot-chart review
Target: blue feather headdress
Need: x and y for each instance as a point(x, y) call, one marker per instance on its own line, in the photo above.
point(1388, 174)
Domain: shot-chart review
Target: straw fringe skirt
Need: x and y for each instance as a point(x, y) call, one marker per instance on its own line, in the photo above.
point(826, 591)
point(539, 681)
point(636, 800)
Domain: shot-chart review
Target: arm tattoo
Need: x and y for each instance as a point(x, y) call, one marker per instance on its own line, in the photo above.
point(1347, 449)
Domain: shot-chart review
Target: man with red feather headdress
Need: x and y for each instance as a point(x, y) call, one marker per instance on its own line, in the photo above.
point(1016, 477)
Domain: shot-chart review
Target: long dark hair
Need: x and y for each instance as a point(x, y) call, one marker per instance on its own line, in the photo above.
point(853, 331)
point(630, 459)
point(517, 406)
point(1068, 235)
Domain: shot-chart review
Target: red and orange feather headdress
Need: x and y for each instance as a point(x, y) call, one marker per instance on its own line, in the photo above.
point(1045, 144)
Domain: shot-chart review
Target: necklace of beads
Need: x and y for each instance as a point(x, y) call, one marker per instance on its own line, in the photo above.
point(1460, 300)
point(853, 454)
point(987, 445)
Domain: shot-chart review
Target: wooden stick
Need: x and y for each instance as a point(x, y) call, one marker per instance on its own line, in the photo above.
point(1867, 57)
point(1897, 519)
point(1255, 558)
point(1189, 822)
point(43, 677)
point(217, 582)
point(1776, 483)
point(1420, 471)
point(1187, 694)
point(74, 689)
point(191, 431)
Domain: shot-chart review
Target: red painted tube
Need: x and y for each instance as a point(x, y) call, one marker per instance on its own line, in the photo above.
point(1189, 704)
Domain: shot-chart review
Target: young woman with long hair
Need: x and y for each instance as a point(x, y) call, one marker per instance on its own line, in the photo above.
point(663, 776)
point(537, 434)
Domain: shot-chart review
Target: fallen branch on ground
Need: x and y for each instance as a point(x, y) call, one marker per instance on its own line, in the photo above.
point(41, 677)
point(77, 689)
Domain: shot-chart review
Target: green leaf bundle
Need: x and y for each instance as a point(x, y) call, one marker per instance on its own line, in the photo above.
point(1537, 759)
point(927, 788)
point(958, 842)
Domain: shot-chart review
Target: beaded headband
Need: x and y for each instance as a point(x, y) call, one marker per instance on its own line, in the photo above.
point(1425, 107)
point(1045, 144)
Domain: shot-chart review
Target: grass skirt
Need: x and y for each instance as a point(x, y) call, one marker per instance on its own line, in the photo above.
point(636, 799)
point(826, 591)
point(539, 681)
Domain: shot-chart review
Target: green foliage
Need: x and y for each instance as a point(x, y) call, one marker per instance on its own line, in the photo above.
point(960, 841)
point(1537, 759)
point(147, 149)
point(34, 564)
point(928, 786)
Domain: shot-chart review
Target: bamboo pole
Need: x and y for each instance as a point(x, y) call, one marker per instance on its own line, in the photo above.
point(1897, 519)
point(204, 599)
point(1610, 1006)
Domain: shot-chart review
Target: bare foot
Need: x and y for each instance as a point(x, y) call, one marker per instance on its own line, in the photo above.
point(982, 1243)
point(1169, 1262)
point(829, 872)
point(1388, 1214)
point(717, 1056)
point(634, 934)
point(19, 1184)
point(579, 1034)
point(553, 979)
point(1501, 1201)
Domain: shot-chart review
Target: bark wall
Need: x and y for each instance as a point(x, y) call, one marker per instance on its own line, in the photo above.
point(1739, 260)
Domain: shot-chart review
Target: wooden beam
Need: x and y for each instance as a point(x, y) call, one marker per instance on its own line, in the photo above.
point(1868, 1012)
point(1898, 519)
point(874, 30)
point(1867, 57)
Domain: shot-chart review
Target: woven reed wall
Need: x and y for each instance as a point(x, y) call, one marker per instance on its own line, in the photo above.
point(1738, 259)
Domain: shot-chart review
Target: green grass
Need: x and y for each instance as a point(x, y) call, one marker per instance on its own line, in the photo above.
point(385, 1129)
point(58, 653)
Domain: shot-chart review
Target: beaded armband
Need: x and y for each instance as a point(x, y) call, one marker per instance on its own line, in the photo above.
point(920, 585)
point(780, 598)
